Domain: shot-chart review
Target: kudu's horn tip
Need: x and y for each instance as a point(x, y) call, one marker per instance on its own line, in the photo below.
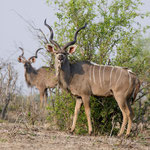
point(21, 48)
point(85, 25)
point(45, 20)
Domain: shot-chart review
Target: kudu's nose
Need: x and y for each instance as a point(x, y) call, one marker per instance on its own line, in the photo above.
point(60, 57)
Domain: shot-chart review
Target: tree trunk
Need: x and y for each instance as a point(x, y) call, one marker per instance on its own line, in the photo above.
point(4, 110)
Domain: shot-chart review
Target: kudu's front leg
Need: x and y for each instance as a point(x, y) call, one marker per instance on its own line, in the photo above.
point(76, 112)
point(86, 102)
point(41, 99)
point(45, 98)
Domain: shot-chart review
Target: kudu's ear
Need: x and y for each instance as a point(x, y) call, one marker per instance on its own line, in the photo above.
point(20, 60)
point(32, 60)
point(50, 48)
point(72, 49)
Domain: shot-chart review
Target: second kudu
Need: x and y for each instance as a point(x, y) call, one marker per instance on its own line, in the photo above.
point(42, 78)
point(84, 79)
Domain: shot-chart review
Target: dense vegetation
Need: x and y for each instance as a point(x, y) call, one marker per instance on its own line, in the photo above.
point(112, 37)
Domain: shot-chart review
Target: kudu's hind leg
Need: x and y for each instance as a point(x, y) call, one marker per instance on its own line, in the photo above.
point(123, 106)
point(76, 112)
point(45, 97)
point(130, 116)
point(41, 99)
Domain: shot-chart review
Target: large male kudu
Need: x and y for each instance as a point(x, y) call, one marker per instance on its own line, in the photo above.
point(84, 79)
point(42, 78)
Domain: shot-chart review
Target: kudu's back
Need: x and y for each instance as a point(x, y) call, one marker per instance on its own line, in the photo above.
point(100, 80)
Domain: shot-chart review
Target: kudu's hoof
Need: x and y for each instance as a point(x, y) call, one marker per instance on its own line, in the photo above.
point(71, 131)
point(127, 135)
point(90, 133)
point(120, 135)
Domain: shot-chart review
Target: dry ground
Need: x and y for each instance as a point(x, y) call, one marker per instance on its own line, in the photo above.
point(22, 137)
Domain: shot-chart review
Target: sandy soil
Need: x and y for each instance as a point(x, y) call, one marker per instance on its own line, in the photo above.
point(22, 137)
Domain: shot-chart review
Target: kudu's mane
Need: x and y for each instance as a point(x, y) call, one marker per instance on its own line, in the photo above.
point(28, 81)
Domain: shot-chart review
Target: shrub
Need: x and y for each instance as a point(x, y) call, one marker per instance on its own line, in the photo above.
point(104, 113)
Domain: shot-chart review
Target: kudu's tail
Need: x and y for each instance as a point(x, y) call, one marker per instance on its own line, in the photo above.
point(136, 90)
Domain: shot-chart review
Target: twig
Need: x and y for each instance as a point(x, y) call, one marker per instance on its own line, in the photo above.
point(113, 125)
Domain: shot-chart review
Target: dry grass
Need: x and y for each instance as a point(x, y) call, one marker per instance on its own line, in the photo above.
point(14, 136)
point(27, 128)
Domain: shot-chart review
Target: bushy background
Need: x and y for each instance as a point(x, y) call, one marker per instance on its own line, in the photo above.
point(114, 37)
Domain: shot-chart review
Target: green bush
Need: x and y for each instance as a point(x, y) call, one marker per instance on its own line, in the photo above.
point(103, 111)
point(111, 37)
point(62, 110)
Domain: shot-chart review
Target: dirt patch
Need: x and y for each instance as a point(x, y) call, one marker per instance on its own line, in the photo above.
point(21, 137)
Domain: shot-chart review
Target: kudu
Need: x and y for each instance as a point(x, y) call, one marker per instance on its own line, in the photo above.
point(84, 79)
point(42, 78)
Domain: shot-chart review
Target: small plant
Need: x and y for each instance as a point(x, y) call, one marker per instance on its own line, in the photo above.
point(105, 113)
point(60, 114)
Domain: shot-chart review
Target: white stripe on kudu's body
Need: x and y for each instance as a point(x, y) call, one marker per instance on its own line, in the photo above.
point(100, 81)
point(119, 77)
point(90, 73)
point(129, 82)
point(94, 74)
point(111, 76)
point(116, 75)
point(103, 76)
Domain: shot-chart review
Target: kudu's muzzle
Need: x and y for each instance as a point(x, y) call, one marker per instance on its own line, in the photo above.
point(60, 58)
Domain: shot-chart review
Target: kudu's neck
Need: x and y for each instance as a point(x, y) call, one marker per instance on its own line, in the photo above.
point(30, 70)
point(64, 75)
point(30, 75)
